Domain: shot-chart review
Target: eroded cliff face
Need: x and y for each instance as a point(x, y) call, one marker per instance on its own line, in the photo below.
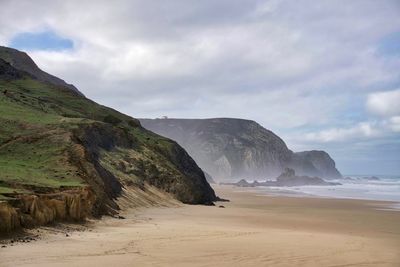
point(230, 149)
point(34, 210)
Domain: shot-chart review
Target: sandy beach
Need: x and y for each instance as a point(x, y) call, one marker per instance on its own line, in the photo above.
point(250, 230)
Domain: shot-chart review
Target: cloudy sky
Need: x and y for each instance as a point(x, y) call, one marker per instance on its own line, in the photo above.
point(321, 74)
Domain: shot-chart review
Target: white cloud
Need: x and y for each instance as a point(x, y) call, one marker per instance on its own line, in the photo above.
point(384, 103)
point(394, 123)
point(367, 130)
point(360, 131)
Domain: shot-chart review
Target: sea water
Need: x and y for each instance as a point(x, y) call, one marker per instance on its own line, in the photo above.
point(387, 188)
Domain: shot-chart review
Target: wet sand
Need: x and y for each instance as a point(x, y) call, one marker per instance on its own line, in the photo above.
point(250, 230)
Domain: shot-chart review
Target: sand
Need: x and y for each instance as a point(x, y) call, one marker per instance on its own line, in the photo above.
point(251, 230)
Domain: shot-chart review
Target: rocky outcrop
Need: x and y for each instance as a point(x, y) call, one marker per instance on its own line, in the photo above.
point(287, 178)
point(243, 183)
point(234, 148)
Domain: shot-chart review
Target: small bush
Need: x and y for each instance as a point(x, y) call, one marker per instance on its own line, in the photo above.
point(111, 119)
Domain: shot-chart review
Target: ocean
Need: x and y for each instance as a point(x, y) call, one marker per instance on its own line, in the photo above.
point(386, 188)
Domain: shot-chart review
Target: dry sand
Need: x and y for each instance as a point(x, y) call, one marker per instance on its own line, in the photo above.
point(251, 230)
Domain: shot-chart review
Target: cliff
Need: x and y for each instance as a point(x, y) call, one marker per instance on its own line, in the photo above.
point(54, 141)
point(229, 148)
point(321, 161)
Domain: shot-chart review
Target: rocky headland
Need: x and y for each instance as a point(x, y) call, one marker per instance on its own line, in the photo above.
point(229, 149)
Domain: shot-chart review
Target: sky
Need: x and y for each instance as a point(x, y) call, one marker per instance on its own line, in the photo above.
point(320, 74)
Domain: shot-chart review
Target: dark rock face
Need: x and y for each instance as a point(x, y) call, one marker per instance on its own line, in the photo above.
point(192, 187)
point(7, 72)
point(234, 148)
point(21, 61)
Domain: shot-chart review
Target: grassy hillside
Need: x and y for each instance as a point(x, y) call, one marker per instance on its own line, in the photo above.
point(53, 139)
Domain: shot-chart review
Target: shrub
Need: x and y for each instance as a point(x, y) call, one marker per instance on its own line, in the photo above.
point(112, 119)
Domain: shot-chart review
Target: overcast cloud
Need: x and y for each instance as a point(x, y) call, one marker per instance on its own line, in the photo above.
point(321, 74)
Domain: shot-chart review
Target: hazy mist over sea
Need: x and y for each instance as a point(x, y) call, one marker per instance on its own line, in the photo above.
point(386, 188)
